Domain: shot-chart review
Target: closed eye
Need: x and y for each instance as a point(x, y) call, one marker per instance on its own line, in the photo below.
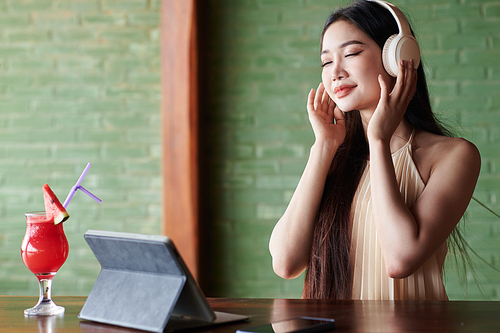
point(353, 54)
point(326, 63)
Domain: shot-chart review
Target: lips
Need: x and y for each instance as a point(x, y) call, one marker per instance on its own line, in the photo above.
point(343, 90)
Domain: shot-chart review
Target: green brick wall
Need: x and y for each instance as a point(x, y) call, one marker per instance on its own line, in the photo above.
point(79, 83)
point(264, 59)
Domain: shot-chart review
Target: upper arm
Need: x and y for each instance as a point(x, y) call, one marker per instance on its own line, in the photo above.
point(447, 193)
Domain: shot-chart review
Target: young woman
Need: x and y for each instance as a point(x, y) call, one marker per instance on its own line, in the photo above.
point(384, 186)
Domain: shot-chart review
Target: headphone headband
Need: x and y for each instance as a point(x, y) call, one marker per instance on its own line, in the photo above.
point(401, 46)
point(404, 27)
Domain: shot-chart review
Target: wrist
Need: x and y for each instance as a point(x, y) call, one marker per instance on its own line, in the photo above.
point(378, 145)
point(325, 148)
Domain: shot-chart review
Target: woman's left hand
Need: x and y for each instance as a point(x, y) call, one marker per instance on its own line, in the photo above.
point(392, 107)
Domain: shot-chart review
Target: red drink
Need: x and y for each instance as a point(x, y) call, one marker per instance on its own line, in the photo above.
point(44, 250)
point(45, 247)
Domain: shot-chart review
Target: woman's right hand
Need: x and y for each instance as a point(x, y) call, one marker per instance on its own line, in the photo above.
point(326, 119)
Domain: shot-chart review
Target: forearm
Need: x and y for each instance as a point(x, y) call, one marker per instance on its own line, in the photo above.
point(291, 239)
point(397, 229)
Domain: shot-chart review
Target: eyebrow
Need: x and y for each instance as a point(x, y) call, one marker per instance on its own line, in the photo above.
point(343, 45)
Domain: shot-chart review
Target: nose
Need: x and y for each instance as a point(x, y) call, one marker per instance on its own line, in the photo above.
point(337, 77)
point(338, 72)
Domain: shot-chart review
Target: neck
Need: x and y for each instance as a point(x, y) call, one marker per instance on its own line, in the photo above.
point(400, 136)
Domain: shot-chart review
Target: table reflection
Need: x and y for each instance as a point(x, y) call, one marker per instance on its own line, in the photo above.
point(46, 324)
point(371, 316)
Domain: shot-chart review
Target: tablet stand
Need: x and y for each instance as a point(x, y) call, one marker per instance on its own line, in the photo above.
point(138, 287)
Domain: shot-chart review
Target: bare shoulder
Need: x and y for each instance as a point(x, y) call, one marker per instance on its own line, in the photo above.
point(432, 151)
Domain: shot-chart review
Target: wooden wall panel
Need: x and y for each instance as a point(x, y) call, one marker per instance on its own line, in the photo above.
point(179, 109)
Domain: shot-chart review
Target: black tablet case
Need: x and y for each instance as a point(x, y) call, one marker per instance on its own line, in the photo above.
point(142, 283)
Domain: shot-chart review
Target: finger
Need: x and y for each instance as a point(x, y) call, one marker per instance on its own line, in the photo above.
point(410, 86)
point(414, 85)
point(383, 89)
point(405, 80)
point(339, 116)
point(310, 100)
point(398, 89)
point(414, 78)
point(325, 100)
point(330, 111)
point(319, 96)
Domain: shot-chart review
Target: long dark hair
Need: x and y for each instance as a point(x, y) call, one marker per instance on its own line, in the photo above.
point(329, 274)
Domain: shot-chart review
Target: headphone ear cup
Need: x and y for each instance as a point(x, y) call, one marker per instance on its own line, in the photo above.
point(389, 56)
point(397, 48)
point(407, 48)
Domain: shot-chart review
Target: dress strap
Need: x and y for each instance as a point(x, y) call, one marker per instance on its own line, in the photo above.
point(407, 144)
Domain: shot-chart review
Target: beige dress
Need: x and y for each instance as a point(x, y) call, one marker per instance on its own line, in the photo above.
point(370, 278)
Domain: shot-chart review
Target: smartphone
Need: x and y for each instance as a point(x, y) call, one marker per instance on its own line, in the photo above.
point(298, 324)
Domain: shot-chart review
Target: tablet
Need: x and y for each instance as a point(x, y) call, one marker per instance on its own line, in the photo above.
point(145, 284)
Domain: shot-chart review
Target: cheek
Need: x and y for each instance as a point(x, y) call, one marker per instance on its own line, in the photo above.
point(374, 71)
point(371, 84)
point(327, 83)
point(374, 86)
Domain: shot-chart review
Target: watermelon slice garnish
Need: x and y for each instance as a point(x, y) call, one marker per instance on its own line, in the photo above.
point(53, 207)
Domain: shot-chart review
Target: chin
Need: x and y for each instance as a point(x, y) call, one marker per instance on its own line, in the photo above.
point(348, 103)
point(346, 107)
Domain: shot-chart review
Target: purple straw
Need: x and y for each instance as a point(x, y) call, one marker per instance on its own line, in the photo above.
point(79, 187)
point(69, 197)
point(89, 194)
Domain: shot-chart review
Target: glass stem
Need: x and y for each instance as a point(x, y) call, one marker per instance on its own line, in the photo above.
point(45, 290)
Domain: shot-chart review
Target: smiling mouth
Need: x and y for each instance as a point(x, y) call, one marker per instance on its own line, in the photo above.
point(343, 91)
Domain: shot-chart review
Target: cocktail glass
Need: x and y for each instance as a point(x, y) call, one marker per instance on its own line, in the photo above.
point(44, 250)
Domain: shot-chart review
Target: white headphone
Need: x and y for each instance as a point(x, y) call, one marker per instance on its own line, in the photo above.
point(402, 46)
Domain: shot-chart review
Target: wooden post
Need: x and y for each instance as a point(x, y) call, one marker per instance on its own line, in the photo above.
point(179, 109)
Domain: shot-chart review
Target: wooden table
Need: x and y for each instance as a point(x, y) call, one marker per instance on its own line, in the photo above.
point(350, 316)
